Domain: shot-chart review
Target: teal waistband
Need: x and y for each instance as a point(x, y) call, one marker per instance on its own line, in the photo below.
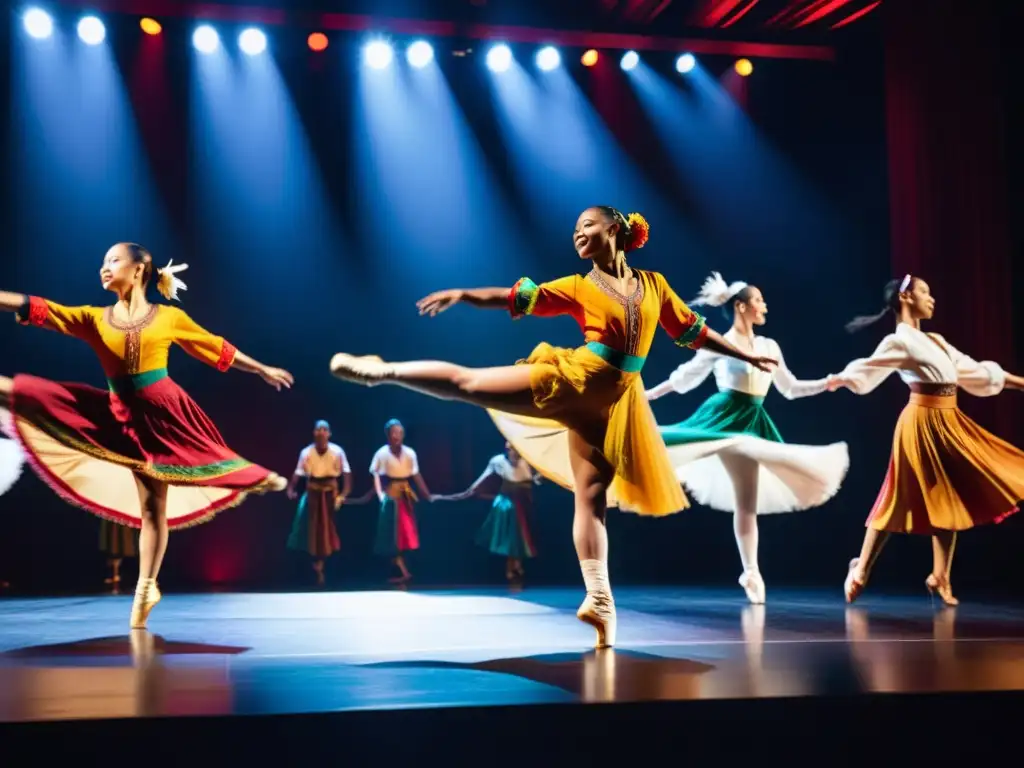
point(622, 361)
point(743, 396)
point(137, 381)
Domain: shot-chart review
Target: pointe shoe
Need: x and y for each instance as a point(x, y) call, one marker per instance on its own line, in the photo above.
point(753, 585)
point(146, 598)
point(852, 587)
point(934, 584)
point(367, 370)
point(599, 612)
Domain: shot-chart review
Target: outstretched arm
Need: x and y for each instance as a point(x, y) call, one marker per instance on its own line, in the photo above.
point(33, 310)
point(1014, 382)
point(686, 377)
point(789, 386)
point(11, 302)
point(981, 379)
point(557, 297)
point(487, 473)
point(864, 375)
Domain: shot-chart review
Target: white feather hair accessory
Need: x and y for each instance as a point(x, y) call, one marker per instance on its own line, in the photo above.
point(716, 292)
point(168, 284)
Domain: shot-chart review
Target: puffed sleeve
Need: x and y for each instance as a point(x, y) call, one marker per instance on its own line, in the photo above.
point(693, 372)
point(415, 460)
point(79, 322)
point(300, 468)
point(378, 464)
point(213, 350)
point(682, 324)
point(864, 375)
point(346, 468)
point(983, 379)
point(557, 297)
point(788, 385)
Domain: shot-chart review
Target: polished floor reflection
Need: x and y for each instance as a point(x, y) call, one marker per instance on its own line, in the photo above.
point(281, 653)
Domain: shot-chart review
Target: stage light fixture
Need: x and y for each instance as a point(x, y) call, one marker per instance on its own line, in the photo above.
point(91, 30)
point(419, 54)
point(151, 26)
point(378, 54)
point(252, 41)
point(38, 23)
point(317, 41)
point(685, 63)
point(629, 60)
point(589, 58)
point(548, 58)
point(743, 67)
point(499, 58)
point(205, 39)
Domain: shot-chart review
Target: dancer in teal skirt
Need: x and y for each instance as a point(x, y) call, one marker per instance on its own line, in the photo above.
point(729, 454)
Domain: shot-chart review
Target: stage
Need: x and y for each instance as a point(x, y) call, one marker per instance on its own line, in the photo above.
point(494, 673)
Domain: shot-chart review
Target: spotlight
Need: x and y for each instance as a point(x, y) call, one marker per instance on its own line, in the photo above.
point(499, 58)
point(629, 60)
point(317, 41)
point(685, 63)
point(378, 54)
point(743, 67)
point(252, 41)
point(150, 26)
point(548, 58)
point(91, 30)
point(205, 39)
point(38, 23)
point(419, 54)
point(589, 58)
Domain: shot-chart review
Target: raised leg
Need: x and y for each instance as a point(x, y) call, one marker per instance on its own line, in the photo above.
point(860, 567)
point(592, 475)
point(744, 475)
point(505, 389)
point(152, 547)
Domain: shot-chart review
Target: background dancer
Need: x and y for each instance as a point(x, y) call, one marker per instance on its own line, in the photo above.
point(321, 463)
point(946, 474)
point(393, 467)
point(506, 531)
point(578, 416)
point(117, 542)
point(141, 453)
point(757, 474)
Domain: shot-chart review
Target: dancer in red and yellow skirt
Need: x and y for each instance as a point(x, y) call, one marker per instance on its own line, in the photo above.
point(946, 474)
point(578, 416)
point(141, 453)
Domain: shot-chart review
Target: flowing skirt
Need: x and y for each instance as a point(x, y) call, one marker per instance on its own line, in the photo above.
point(118, 540)
point(397, 531)
point(313, 530)
point(89, 444)
point(946, 472)
point(735, 424)
point(12, 460)
point(506, 530)
point(578, 391)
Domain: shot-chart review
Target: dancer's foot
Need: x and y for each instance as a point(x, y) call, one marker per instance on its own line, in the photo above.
point(753, 585)
point(367, 370)
point(147, 595)
point(854, 583)
point(598, 610)
point(941, 585)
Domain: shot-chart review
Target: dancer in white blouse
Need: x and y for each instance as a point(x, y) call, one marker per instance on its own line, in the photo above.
point(946, 474)
point(729, 453)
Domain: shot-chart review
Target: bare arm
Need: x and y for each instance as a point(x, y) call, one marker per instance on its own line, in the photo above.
point(422, 485)
point(484, 298)
point(292, 493)
point(1014, 382)
point(377, 486)
point(12, 302)
point(346, 485)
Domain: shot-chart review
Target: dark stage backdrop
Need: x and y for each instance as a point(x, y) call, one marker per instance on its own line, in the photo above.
point(292, 272)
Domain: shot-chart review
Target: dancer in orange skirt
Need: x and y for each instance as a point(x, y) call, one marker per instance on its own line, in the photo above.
point(141, 453)
point(578, 416)
point(946, 474)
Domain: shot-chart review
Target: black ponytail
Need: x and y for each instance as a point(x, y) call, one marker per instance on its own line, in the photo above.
point(891, 297)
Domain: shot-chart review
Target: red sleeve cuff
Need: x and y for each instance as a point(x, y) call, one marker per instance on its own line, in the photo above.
point(35, 313)
point(227, 356)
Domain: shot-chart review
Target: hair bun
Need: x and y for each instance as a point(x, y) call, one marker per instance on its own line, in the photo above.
point(639, 231)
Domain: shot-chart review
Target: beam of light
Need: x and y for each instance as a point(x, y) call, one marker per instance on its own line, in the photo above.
point(317, 41)
point(589, 58)
point(252, 41)
point(499, 58)
point(629, 60)
point(205, 39)
point(743, 67)
point(378, 54)
point(685, 63)
point(38, 23)
point(548, 58)
point(420, 54)
point(150, 26)
point(91, 30)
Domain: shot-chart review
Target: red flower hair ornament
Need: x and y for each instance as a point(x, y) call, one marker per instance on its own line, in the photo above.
point(639, 231)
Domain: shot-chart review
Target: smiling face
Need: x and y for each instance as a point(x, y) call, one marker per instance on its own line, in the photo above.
point(595, 233)
point(918, 300)
point(120, 271)
point(753, 306)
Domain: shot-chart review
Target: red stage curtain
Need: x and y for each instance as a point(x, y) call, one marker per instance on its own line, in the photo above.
point(948, 185)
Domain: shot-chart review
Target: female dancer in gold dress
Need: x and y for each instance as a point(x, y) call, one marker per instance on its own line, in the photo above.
point(578, 416)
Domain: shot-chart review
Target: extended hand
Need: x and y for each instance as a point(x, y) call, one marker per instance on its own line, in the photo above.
point(834, 383)
point(277, 378)
point(439, 301)
point(764, 363)
point(292, 493)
